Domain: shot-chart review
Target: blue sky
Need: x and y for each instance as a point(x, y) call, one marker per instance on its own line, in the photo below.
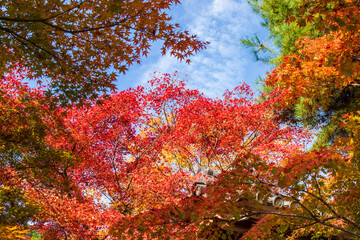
point(224, 64)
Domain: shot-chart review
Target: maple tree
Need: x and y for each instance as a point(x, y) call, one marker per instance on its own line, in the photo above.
point(321, 78)
point(81, 44)
point(123, 169)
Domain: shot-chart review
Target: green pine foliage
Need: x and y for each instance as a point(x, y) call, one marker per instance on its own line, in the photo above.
point(275, 14)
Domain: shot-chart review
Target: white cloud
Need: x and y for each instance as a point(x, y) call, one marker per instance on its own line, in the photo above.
point(224, 63)
point(225, 8)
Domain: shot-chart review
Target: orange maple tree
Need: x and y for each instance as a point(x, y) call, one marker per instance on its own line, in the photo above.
point(323, 68)
point(82, 45)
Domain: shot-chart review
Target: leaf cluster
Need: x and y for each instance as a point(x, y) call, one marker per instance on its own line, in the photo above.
point(80, 46)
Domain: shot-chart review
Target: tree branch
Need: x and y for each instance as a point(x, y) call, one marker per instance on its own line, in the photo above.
point(322, 201)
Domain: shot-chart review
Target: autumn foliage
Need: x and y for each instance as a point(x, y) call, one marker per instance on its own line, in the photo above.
point(83, 45)
point(123, 169)
point(325, 68)
point(320, 84)
point(124, 165)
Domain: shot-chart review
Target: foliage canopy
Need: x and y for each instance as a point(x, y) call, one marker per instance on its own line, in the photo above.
point(123, 169)
point(80, 45)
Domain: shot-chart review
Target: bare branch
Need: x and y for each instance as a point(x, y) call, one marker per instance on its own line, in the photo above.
point(323, 222)
point(322, 201)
